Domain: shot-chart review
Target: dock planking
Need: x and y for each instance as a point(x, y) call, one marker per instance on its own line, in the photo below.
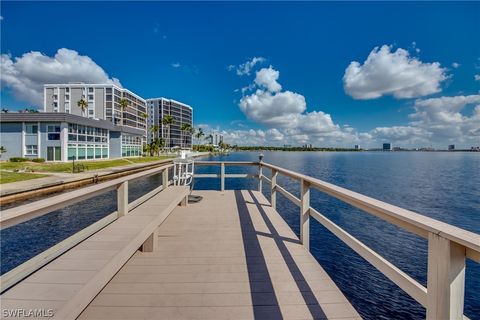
point(230, 256)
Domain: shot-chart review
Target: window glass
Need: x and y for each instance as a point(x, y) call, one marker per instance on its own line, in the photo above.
point(72, 152)
point(31, 150)
point(31, 128)
point(81, 152)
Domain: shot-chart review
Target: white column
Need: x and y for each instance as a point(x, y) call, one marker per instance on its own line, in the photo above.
point(23, 140)
point(64, 140)
point(39, 141)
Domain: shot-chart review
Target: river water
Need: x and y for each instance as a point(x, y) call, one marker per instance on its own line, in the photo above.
point(444, 186)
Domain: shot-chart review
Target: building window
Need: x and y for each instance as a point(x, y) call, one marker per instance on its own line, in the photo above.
point(53, 132)
point(90, 89)
point(31, 150)
point(90, 97)
point(31, 128)
point(67, 90)
point(67, 97)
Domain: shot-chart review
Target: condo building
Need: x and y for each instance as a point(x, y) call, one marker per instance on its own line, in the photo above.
point(103, 102)
point(64, 131)
point(172, 135)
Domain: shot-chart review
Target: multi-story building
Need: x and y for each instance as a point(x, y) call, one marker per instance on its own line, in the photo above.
point(103, 102)
point(387, 147)
point(158, 109)
point(217, 138)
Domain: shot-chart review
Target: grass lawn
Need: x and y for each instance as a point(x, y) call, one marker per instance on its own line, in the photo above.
point(6, 177)
point(67, 166)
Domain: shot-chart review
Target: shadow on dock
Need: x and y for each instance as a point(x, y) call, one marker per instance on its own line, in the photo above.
point(256, 264)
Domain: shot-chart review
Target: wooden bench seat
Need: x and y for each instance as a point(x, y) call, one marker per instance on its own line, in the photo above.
point(70, 282)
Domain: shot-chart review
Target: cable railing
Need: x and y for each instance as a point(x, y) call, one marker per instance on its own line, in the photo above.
point(448, 246)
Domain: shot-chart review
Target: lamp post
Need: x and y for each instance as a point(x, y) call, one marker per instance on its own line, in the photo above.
point(73, 164)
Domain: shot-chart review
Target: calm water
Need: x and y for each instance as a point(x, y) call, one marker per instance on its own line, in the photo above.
point(444, 186)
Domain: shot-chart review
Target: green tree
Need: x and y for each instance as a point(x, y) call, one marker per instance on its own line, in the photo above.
point(199, 134)
point(123, 106)
point(209, 138)
point(2, 150)
point(83, 105)
point(185, 130)
point(167, 121)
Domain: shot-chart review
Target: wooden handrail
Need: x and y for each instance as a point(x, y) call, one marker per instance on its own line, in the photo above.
point(448, 246)
point(414, 222)
point(35, 209)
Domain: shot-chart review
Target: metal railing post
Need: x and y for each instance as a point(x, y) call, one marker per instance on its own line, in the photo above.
point(222, 176)
point(445, 278)
point(305, 213)
point(273, 199)
point(165, 179)
point(122, 198)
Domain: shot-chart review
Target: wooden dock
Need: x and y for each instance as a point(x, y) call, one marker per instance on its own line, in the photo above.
point(230, 256)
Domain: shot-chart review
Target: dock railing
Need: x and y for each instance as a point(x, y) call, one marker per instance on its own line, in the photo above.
point(448, 246)
point(22, 213)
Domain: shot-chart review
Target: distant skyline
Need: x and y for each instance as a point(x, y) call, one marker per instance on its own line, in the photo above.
point(269, 73)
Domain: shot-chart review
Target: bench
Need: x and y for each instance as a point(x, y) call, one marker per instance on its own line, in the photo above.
point(63, 288)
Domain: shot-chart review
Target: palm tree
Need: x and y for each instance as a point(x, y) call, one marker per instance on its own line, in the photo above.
point(154, 129)
point(83, 105)
point(199, 134)
point(167, 121)
point(2, 150)
point(210, 138)
point(4, 110)
point(185, 128)
point(123, 105)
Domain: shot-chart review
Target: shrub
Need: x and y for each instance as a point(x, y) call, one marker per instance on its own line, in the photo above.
point(38, 160)
point(18, 159)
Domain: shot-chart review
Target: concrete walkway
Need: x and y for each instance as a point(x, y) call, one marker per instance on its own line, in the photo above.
point(56, 178)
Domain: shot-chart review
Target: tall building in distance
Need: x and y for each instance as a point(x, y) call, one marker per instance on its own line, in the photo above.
point(451, 147)
point(103, 102)
point(217, 138)
point(158, 109)
point(387, 147)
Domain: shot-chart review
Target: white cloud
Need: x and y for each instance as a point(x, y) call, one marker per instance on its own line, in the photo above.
point(273, 108)
point(26, 75)
point(455, 65)
point(267, 78)
point(445, 117)
point(477, 77)
point(176, 64)
point(246, 68)
point(387, 72)
point(1, 18)
point(285, 113)
point(437, 121)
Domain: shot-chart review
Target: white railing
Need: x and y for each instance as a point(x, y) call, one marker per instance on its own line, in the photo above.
point(448, 246)
point(14, 216)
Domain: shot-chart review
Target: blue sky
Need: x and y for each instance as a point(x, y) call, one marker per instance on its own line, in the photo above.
point(184, 50)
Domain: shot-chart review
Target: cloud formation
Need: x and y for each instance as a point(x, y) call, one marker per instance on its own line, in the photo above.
point(26, 75)
point(246, 68)
point(285, 114)
point(396, 73)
